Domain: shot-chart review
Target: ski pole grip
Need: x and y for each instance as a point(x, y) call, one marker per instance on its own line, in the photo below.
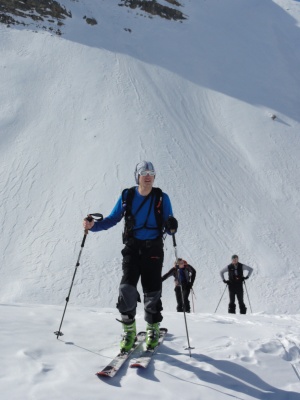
point(92, 217)
point(95, 216)
point(86, 231)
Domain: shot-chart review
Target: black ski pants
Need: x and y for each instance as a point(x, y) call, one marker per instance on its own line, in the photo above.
point(185, 305)
point(141, 260)
point(236, 291)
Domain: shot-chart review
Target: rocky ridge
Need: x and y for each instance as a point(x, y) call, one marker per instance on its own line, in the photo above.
point(50, 15)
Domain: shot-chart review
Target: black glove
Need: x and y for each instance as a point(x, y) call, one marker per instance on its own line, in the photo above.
point(245, 277)
point(225, 281)
point(172, 224)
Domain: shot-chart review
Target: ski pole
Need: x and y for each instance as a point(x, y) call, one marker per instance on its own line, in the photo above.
point(189, 348)
point(193, 295)
point(248, 297)
point(221, 298)
point(90, 217)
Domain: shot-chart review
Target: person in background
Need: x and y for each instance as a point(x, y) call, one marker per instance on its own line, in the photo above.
point(184, 276)
point(148, 215)
point(235, 281)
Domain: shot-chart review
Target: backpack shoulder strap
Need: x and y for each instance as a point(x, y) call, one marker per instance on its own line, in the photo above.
point(158, 206)
point(127, 200)
point(157, 196)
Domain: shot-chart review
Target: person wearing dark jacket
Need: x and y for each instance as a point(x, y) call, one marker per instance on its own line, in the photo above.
point(184, 276)
point(235, 281)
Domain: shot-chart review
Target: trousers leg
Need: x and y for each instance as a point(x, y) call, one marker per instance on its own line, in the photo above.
point(240, 297)
point(231, 305)
point(128, 294)
point(186, 293)
point(151, 267)
point(178, 298)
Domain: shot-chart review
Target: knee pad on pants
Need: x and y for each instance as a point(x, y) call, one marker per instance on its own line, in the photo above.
point(127, 300)
point(153, 306)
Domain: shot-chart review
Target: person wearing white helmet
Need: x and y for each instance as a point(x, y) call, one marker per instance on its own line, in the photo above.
point(148, 214)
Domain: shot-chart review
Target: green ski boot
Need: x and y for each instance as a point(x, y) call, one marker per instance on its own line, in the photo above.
point(129, 336)
point(152, 335)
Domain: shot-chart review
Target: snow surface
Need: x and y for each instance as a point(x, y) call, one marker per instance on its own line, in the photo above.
point(77, 112)
point(252, 357)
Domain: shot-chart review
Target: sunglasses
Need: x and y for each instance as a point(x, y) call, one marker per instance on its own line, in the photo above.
point(145, 173)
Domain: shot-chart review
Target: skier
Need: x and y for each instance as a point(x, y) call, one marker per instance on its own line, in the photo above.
point(184, 276)
point(148, 214)
point(235, 283)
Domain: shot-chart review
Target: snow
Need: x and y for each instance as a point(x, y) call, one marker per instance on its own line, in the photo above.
point(77, 112)
point(234, 356)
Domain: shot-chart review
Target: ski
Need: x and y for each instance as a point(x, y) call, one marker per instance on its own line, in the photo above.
point(144, 356)
point(116, 363)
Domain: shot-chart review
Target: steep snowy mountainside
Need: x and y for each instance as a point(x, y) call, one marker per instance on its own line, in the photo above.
point(195, 97)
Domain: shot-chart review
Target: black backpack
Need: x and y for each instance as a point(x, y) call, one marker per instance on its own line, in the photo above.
point(156, 195)
point(231, 273)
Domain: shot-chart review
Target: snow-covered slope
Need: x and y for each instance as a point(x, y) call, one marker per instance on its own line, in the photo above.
point(78, 111)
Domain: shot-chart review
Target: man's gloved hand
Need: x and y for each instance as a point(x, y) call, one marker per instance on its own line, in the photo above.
point(172, 224)
point(88, 223)
point(224, 280)
point(245, 277)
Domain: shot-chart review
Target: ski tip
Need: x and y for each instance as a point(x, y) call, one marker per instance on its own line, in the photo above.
point(137, 365)
point(103, 374)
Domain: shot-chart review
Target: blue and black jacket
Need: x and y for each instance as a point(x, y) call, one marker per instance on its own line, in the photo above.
point(141, 231)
